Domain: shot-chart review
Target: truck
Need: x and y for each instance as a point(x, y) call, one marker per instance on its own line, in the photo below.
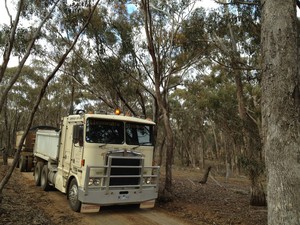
point(98, 160)
point(26, 154)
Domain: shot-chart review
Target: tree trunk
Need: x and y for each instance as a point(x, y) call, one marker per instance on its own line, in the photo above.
point(281, 110)
point(169, 153)
point(160, 96)
point(202, 150)
point(258, 196)
point(205, 177)
point(250, 131)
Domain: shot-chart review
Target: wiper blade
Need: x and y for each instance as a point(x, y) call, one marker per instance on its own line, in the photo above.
point(135, 147)
point(142, 144)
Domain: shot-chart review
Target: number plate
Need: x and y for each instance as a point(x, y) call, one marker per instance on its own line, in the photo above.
point(123, 197)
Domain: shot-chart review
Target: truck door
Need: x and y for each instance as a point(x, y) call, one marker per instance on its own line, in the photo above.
point(66, 157)
point(77, 148)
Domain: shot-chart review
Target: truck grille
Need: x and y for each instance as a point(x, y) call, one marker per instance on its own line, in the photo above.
point(126, 170)
point(123, 170)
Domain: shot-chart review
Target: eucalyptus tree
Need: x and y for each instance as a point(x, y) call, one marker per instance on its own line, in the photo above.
point(19, 41)
point(11, 42)
point(235, 31)
point(105, 68)
point(281, 109)
point(207, 118)
point(45, 84)
point(169, 59)
point(18, 102)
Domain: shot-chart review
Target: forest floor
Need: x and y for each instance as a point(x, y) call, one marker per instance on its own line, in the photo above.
point(216, 202)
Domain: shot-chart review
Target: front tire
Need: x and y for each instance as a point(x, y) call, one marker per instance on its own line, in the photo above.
point(44, 179)
point(37, 173)
point(74, 203)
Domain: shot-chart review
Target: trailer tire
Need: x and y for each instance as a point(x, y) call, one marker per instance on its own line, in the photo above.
point(74, 203)
point(29, 164)
point(22, 163)
point(18, 164)
point(44, 179)
point(37, 173)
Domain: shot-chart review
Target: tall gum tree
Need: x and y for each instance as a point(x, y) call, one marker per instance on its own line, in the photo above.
point(163, 23)
point(281, 110)
point(161, 100)
point(239, 62)
point(43, 88)
point(251, 139)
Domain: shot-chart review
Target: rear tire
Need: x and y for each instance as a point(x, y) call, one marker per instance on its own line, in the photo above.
point(29, 164)
point(22, 164)
point(37, 173)
point(44, 179)
point(74, 203)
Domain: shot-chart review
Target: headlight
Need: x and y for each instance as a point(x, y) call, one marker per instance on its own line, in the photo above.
point(97, 181)
point(147, 180)
point(94, 181)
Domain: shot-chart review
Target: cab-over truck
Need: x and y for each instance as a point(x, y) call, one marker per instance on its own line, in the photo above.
point(98, 160)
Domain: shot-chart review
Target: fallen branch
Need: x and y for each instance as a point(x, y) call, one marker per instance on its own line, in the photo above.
point(193, 183)
point(215, 181)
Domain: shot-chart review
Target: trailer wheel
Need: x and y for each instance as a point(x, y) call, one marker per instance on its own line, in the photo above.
point(74, 203)
point(22, 163)
point(37, 173)
point(44, 179)
point(18, 164)
point(29, 164)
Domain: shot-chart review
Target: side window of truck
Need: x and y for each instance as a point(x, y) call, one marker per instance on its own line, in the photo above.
point(78, 135)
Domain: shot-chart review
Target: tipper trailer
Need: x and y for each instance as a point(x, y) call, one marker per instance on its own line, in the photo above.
point(98, 160)
point(26, 154)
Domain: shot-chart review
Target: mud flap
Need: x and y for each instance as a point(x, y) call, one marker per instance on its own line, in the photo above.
point(147, 205)
point(89, 208)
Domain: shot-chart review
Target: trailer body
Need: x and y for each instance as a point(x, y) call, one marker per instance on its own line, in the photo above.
point(26, 154)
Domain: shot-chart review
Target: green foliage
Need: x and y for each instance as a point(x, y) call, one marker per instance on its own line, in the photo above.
point(24, 91)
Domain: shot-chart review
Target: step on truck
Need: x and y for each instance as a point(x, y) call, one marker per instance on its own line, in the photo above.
point(98, 160)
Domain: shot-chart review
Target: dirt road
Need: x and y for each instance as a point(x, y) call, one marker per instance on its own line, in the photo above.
point(58, 208)
point(217, 202)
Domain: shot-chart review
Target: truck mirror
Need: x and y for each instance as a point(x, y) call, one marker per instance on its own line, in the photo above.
point(78, 135)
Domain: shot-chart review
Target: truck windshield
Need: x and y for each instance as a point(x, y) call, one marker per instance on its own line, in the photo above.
point(104, 131)
point(139, 134)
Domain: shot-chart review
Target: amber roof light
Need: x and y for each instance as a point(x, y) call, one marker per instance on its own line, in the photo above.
point(117, 111)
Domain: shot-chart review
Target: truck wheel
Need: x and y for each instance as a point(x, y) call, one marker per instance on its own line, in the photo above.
point(29, 164)
point(44, 179)
point(74, 203)
point(37, 173)
point(22, 164)
point(18, 164)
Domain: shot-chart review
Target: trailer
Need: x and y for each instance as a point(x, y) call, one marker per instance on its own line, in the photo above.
point(26, 154)
point(98, 160)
